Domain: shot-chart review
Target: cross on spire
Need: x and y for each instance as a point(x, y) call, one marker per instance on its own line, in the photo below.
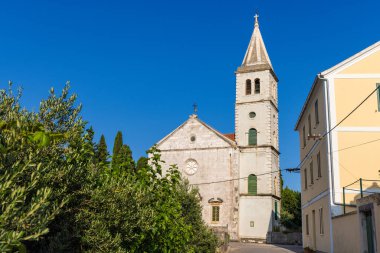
point(256, 19)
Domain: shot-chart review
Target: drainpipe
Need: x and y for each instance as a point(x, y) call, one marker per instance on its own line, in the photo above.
point(330, 161)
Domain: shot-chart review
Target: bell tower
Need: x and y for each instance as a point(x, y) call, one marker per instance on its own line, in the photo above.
point(256, 133)
point(256, 96)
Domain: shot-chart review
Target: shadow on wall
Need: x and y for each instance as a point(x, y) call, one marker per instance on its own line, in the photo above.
point(374, 187)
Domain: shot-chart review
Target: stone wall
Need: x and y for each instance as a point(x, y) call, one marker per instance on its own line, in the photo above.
point(284, 238)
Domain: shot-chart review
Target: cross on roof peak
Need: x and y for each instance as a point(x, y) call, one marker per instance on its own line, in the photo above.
point(256, 19)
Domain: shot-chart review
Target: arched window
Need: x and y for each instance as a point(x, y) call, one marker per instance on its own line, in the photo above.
point(252, 137)
point(257, 86)
point(248, 87)
point(252, 185)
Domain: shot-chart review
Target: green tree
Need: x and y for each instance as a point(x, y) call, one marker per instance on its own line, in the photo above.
point(147, 211)
point(291, 209)
point(54, 197)
point(141, 163)
point(70, 159)
point(124, 161)
point(102, 151)
point(118, 143)
point(26, 206)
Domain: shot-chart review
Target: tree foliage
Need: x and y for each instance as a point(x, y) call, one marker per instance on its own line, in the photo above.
point(118, 143)
point(55, 195)
point(291, 209)
point(141, 163)
point(102, 151)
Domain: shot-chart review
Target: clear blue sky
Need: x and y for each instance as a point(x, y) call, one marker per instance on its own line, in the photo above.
point(138, 66)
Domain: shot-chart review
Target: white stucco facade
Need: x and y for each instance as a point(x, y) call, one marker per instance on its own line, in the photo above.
point(237, 174)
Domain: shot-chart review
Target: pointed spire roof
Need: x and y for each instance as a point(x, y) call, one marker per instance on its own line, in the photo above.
point(256, 58)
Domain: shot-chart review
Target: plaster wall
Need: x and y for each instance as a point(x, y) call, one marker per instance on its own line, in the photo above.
point(258, 210)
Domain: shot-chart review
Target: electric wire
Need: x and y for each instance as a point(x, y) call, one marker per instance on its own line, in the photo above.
point(313, 147)
point(240, 178)
point(340, 122)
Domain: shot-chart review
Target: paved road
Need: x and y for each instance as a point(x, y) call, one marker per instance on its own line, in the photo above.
point(237, 247)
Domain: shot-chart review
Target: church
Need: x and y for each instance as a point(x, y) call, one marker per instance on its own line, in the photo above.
point(237, 173)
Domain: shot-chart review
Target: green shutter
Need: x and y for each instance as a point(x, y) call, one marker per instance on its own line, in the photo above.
point(275, 210)
point(378, 97)
point(252, 185)
point(252, 137)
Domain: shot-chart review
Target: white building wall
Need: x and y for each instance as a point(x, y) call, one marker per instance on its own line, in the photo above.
point(255, 217)
point(217, 161)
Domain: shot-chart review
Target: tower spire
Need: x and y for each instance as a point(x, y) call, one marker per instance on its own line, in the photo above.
point(256, 56)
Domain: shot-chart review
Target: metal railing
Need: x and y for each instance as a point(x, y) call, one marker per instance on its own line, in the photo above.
point(374, 188)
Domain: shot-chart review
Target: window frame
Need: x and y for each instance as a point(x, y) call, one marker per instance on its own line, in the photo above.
point(250, 114)
point(253, 137)
point(307, 224)
point(252, 185)
point(275, 210)
point(257, 86)
point(309, 123)
point(378, 97)
point(305, 178)
point(248, 87)
point(319, 168)
point(311, 173)
point(316, 112)
point(215, 213)
point(321, 225)
point(304, 136)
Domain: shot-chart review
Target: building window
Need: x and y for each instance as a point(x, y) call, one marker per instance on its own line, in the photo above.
point(378, 96)
point(311, 173)
point(321, 228)
point(248, 87)
point(275, 185)
point(319, 164)
point(307, 224)
point(215, 213)
point(275, 210)
point(309, 122)
point(316, 111)
point(305, 178)
point(252, 137)
point(304, 136)
point(252, 185)
point(257, 86)
point(252, 115)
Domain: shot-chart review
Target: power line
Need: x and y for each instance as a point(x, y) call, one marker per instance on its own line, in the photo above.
point(357, 145)
point(340, 122)
point(297, 169)
point(240, 178)
point(348, 115)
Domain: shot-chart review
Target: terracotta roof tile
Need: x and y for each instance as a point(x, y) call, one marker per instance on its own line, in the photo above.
point(230, 136)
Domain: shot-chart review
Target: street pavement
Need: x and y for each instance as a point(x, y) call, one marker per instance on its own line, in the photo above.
point(238, 247)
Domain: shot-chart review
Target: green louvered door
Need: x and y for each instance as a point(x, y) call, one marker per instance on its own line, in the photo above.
point(252, 137)
point(252, 184)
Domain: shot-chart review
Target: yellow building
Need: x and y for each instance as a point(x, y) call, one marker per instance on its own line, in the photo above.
point(339, 145)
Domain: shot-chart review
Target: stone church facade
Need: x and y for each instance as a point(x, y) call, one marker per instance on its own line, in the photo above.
point(237, 174)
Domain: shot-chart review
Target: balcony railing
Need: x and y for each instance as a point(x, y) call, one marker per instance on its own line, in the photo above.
point(360, 188)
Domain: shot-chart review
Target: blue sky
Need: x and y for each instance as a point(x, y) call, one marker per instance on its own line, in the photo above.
point(138, 66)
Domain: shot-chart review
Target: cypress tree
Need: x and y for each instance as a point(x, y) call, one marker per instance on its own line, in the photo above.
point(124, 160)
point(116, 147)
point(102, 152)
point(141, 163)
